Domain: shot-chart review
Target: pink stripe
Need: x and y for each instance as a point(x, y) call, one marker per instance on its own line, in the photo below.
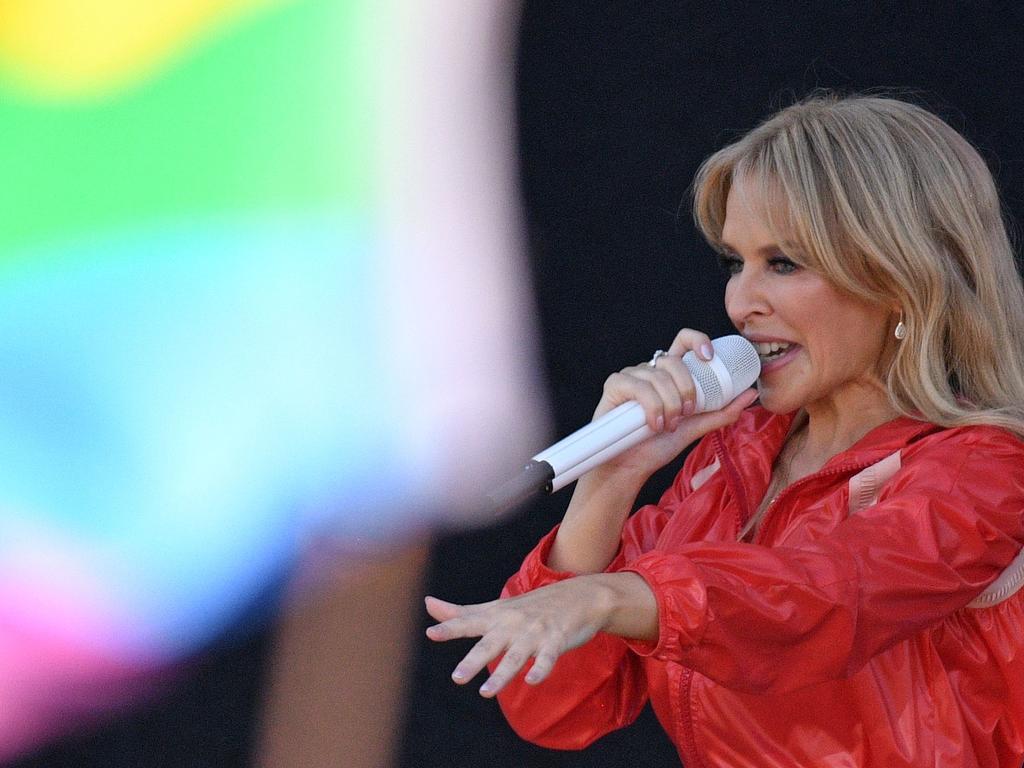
point(704, 475)
point(867, 484)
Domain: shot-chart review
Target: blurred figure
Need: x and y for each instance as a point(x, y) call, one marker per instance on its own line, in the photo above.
point(456, 321)
point(217, 217)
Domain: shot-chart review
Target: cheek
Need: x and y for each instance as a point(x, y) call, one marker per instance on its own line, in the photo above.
point(851, 341)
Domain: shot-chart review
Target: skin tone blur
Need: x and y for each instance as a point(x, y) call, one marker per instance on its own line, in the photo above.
point(821, 351)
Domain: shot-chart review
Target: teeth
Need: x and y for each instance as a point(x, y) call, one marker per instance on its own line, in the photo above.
point(765, 348)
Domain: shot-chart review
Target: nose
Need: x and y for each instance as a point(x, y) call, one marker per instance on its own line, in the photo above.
point(746, 297)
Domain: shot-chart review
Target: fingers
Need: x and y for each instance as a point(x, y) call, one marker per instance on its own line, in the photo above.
point(657, 391)
point(513, 631)
point(672, 368)
point(441, 609)
point(495, 639)
point(486, 650)
point(517, 655)
point(666, 390)
point(688, 339)
point(515, 652)
point(457, 620)
point(543, 663)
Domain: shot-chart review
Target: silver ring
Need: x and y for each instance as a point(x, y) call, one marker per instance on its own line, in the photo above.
point(653, 362)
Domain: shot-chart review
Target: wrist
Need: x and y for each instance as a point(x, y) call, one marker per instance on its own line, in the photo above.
point(612, 482)
point(627, 604)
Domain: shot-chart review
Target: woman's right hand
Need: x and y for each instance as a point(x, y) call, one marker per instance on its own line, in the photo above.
point(668, 396)
point(588, 537)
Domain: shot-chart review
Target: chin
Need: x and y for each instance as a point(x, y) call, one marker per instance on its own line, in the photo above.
point(775, 401)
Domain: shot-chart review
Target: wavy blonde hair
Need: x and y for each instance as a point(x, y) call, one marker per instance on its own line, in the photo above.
point(892, 205)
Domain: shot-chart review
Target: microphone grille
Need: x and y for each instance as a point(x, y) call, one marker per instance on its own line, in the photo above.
point(706, 381)
point(740, 357)
point(741, 365)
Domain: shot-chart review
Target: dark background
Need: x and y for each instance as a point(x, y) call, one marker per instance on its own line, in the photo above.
point(618, 104)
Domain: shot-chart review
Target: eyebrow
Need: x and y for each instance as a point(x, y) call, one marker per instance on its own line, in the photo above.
point(763, 250)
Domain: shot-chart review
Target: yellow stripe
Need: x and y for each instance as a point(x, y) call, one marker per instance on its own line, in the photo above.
point(77, 48)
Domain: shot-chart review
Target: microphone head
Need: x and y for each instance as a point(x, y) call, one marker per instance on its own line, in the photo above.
point(734, 368)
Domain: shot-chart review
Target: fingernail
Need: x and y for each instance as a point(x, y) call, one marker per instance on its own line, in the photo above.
point(486, 687)
point(688, 408)
point(458, 674)
point(707, 351)
point(532, 677)
point(659, 424)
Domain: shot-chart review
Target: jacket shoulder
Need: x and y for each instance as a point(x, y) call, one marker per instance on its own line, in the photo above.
point(993, 443)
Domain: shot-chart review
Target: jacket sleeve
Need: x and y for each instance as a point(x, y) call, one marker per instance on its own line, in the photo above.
point(771, 619)
point(600, 686)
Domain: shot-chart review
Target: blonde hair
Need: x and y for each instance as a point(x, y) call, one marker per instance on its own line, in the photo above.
point(892, 205)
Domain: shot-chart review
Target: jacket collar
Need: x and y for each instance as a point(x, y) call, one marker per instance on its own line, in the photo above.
point(752, 444)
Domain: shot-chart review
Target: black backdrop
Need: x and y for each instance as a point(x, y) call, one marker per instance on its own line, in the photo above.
point(618, 103)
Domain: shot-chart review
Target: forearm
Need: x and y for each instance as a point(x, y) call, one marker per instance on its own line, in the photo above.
point(589, 536)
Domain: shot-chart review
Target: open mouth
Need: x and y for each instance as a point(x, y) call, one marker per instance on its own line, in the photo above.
point(768, 351)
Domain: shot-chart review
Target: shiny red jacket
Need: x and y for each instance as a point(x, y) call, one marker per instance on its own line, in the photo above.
point(875, 620)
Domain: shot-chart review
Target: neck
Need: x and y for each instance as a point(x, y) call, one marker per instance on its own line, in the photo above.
point(835, 424)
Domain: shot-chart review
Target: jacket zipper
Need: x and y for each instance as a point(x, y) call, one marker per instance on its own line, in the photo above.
point(689, 737)
point(735, 483)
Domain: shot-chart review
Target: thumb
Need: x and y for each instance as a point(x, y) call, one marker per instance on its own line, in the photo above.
point(717, 419)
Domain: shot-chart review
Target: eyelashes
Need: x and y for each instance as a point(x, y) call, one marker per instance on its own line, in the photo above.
point(783, 265)
point(731, 264)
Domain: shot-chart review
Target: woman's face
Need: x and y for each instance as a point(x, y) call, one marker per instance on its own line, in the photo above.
point(818, 347)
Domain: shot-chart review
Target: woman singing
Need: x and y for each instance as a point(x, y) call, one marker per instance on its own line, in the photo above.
point(834, 576)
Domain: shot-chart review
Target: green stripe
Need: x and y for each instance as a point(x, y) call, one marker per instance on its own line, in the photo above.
point(273, 114)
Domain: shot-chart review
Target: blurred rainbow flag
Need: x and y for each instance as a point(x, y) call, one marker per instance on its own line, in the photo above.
point(193, 341)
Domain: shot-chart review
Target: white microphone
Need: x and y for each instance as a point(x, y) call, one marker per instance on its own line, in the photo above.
point(733, 368)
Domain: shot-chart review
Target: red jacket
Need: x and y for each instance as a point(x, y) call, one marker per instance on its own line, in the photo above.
point(849, 633)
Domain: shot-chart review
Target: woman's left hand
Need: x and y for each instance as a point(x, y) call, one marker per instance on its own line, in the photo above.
point(543, 624)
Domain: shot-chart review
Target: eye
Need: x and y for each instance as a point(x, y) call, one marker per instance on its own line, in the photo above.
point(782, 265)
point(730, 263)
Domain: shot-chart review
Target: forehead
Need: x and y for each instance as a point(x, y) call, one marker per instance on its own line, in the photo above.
point(752, 214)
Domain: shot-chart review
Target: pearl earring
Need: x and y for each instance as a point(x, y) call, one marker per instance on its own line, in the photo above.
point(901, 330)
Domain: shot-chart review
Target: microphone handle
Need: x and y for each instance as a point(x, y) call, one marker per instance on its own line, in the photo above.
point(625, 426)
point(635, 437)
point(553, 468)
point(599, 434)
point(536, 476)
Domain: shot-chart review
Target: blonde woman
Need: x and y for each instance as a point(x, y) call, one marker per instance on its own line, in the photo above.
point(832, 579)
